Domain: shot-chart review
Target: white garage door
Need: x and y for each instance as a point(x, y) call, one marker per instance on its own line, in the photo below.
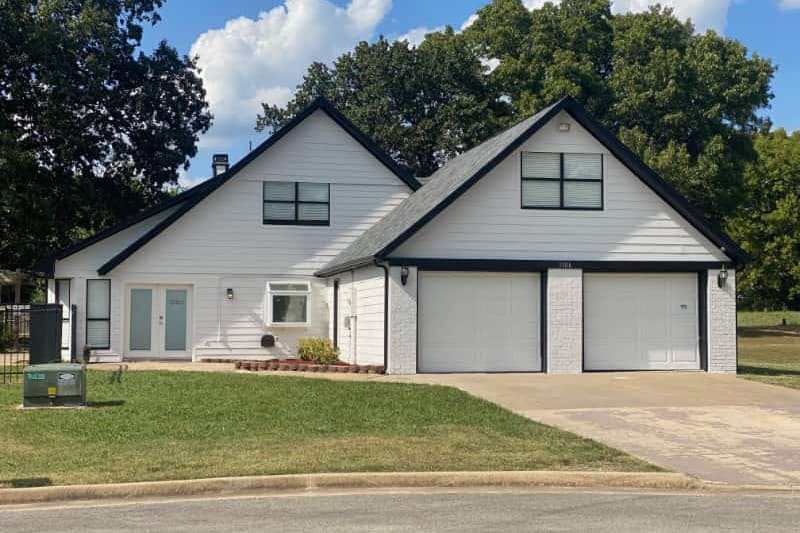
point(479, 322)
point(640, 322)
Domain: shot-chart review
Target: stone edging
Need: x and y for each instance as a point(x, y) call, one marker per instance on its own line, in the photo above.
point(283, 366)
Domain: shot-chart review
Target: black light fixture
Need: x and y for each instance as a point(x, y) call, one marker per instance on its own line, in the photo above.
point(404, 275)
point(229, 294)
point(722, 277)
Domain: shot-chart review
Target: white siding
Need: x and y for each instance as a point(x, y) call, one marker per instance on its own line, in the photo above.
point(487, 221)
point(361, 297)
point(221, 243)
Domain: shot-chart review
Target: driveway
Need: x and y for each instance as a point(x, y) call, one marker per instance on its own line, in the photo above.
point(716, 427)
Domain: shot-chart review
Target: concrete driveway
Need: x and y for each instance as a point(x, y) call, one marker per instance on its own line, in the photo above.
point(716, 427)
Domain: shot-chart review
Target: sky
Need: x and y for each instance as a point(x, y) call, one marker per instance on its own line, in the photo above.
point(253, 51)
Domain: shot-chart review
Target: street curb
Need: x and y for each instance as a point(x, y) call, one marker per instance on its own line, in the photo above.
point(373, 480)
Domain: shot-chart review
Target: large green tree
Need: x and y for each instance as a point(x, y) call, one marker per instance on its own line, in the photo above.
point(92, 128)
point(768, 223)
point(422, 104)
point(687, 103)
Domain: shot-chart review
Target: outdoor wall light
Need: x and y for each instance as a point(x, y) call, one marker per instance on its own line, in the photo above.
point(564, 126)
point(722, 277)
point(404, 275)
point(229, 294)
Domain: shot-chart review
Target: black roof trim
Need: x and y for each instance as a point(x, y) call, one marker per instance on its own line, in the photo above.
point(535, 265)
point(213, 184)
point(46, 265)
point(628, 158)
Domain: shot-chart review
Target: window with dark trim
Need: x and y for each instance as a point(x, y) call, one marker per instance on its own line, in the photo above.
point(561, 181)
point(63, 287)
point(98, 313)
point(297, 203)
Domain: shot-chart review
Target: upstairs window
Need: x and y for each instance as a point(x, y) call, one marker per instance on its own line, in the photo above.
point(562, 181)
point(297, 203)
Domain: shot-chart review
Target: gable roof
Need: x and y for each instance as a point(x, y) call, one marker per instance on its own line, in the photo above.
point(197, 194)
point(462, 172)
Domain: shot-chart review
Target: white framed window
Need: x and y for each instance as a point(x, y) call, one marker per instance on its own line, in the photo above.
point(288, 303)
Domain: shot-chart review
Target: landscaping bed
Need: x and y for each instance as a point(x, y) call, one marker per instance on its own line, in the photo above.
point(180, 425)
point(301, 365)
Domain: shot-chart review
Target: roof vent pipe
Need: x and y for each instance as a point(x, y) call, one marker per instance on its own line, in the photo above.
point(219, 164)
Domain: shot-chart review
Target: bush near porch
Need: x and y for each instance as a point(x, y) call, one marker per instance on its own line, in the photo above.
point(176, 425)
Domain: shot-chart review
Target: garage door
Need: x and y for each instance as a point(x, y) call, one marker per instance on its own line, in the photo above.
point(640, 322)
point(479, 322)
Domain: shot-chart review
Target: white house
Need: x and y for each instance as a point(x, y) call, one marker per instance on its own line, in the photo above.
point(549, 247)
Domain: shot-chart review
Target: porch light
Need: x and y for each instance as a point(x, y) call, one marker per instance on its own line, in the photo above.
point(722, 277)
point(404, 275)
point(229, 294)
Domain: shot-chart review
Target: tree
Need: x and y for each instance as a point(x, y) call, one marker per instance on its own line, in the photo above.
point(686, 103)
point(768, 224)
point(91, 130)
point(422, 104)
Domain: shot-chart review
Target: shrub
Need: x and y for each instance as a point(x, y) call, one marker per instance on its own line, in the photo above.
point(319, 350)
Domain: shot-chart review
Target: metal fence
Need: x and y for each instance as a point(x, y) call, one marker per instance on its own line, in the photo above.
point(15, 342)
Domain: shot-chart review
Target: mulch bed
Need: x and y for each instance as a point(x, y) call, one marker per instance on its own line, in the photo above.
point(299, 365)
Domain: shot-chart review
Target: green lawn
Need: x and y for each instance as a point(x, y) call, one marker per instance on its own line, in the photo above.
point(748, 319)
point(768, 351)
point(175, 425)
point(770, 355)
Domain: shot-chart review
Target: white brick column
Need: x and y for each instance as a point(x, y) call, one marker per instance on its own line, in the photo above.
point(721, 323)
point(402, 322)
point(564, 321)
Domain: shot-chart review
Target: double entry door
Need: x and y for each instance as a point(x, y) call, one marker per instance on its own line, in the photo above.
point(158, 321)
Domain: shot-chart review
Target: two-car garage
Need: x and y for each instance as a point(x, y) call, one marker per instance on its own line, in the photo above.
point(492, 321)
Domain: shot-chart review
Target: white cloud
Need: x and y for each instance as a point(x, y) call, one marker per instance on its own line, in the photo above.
point(415, 36)
point(252, 61)
point(790, 4)
point(705, 14)
point(470, 21)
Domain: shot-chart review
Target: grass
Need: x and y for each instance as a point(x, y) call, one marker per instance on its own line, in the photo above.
point(175, 425)
point(770, 355)
point(750, 319)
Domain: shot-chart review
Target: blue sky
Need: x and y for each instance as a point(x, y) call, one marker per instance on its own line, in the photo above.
point(256, 50)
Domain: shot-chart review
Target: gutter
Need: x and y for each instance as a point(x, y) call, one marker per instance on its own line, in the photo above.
point(385, 314)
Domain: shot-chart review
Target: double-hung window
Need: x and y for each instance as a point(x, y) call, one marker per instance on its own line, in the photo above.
point(562, 181)
point(287, 303)
point(297, 203)
point(98, 313)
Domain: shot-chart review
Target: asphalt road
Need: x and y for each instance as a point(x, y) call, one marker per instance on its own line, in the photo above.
point(458, 511)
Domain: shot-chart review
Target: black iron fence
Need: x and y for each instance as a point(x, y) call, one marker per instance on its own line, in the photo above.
point(15, 342)
point(32, 334)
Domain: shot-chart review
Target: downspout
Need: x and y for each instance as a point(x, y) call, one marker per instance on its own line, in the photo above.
point(385, 314)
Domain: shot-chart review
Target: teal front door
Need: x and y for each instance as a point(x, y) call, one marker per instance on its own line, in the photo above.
point(158, 324)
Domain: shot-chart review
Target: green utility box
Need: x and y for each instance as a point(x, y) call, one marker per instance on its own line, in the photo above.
point(54, 384)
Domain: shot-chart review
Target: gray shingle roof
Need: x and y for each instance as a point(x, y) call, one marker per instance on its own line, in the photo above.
point(443, 183)
point(459, 174)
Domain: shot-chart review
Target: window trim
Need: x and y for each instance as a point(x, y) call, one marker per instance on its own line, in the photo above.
point(87, 319)
point(271, 293)
point(297, 220)
point(561, 180)
point(68, 304)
